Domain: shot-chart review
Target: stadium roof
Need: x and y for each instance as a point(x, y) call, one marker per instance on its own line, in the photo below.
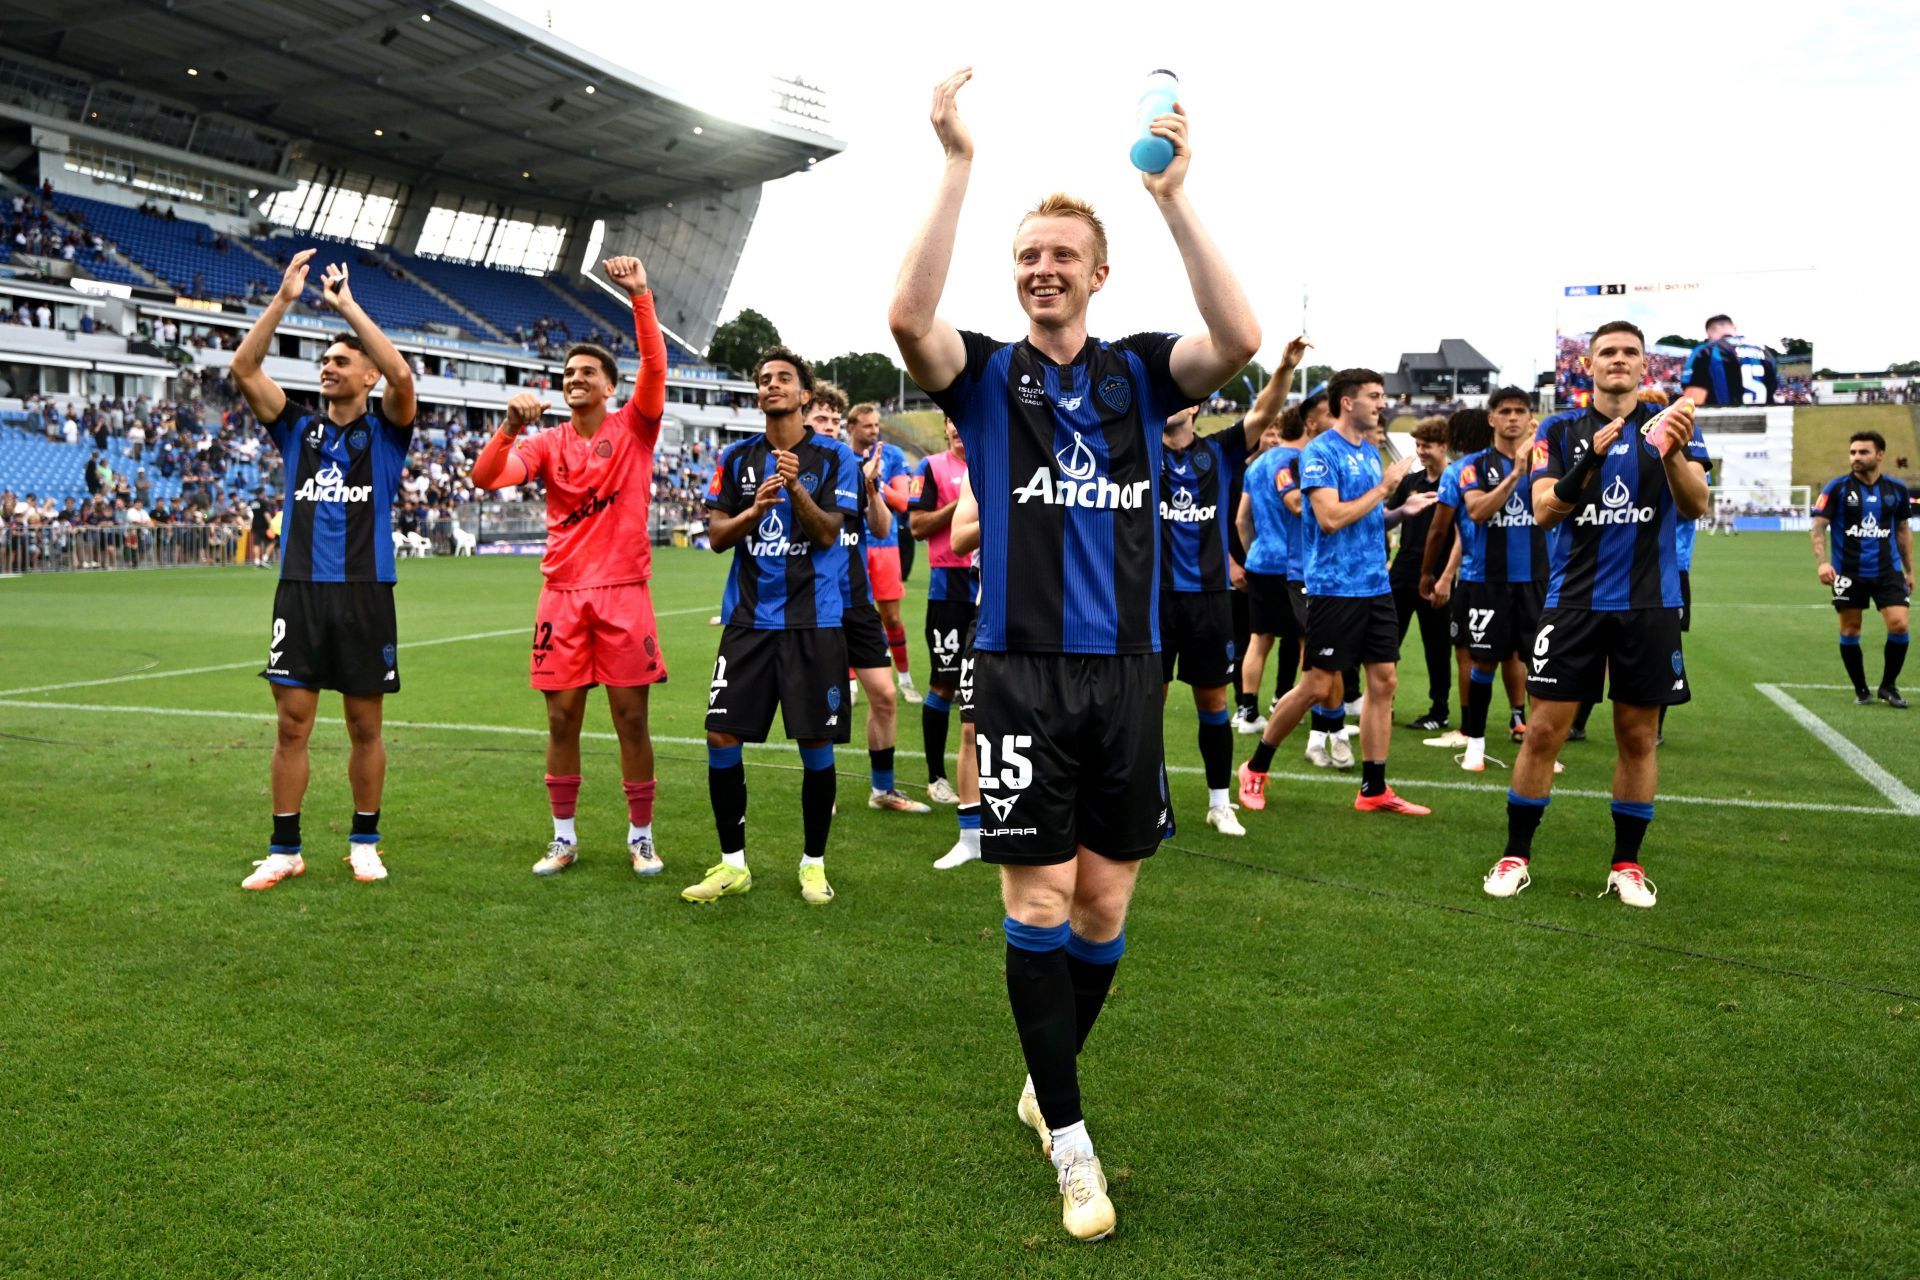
point(466, 98)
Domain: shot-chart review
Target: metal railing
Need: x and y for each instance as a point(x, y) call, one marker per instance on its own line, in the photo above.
point(65, 548)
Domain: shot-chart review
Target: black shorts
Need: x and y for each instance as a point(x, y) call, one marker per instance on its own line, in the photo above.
point(1267, 607)
point(947, 622)
point(866, 638)
point(1502, 617)
point(1457, 615)
point(334, 635)
point(1196, 632)
point(1297, 605)
point(1637, 651)
point(1070, 753)
point(965, 699)
point(1344, 631)
point(1882, 593)
point(1686, 600)
point(801, 673)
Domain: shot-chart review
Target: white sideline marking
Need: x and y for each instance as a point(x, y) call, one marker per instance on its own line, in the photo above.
point(241, 666)
point(1336, 779)
point(1838, 688)
point(1896, 791)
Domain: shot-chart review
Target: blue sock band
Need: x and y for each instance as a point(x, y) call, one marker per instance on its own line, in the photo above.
point(1214, 717)
point(970, 817)
point(1034, 937)
point(1095, 952)
point(1634, 809)
point(1897, 637)
point(723, 757)
point(817, 758)
point(935, 703)
point(365, 837)
point(1853, 642)
point(1539, 802)
point(1477, 676)
point(883, 779)
point(288, 849)
point(1328, 721)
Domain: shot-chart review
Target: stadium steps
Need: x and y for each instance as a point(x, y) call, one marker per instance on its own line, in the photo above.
point(115, 271)
point(481, 326)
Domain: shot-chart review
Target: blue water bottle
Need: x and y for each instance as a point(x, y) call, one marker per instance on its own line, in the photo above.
point(1152, 153)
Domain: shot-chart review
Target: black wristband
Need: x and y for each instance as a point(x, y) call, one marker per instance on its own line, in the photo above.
point(1567, 488)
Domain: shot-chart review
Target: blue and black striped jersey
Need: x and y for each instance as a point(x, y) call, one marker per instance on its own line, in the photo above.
point(1862, 521)
point(1617, 550)
point(779, 580)
point(1510, 546)
point(1196, 485)
point(1064, 461)
point(341, 482)
point(1733, 372)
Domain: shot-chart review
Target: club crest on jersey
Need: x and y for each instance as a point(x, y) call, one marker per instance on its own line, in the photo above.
point(329, 485)
point(1202, 460)
point(1116, 393)
point(604, 449)
point(809, 481)
point(357, 439)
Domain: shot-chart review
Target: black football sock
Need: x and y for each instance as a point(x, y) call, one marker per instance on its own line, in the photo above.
point(1896, 659)
point(1630, 821)
point(1523, 819)
point(1040, 991)
point(1091, 965)
point(727, 788)
point(1262, 757)
point(1373, 777)
point(366, 827)
point(933, 733)
point(1855, 664)
point(1216, 748)
point(1473, 721)
point(816, 799)
point(286, 833)
point(1246, 702)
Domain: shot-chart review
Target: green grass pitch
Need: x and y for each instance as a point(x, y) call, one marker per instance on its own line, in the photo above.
point(1327, 1054)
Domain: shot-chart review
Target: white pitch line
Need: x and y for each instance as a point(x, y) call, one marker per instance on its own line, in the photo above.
point(405, 647)
point(1897, 792)
point(1838, 688)
point(1335, 779)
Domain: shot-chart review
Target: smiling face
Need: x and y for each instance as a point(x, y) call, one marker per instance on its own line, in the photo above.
point(779, 389)
point(1056, 269)
point(584, 382)
point(863, 431)
point(1361, 407)
point(346, 375)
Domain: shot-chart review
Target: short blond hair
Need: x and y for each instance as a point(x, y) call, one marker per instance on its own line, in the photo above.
point(865, 406)
point(1062, 205)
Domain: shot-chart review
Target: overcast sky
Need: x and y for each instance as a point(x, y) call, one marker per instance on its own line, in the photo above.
point(1418, 172)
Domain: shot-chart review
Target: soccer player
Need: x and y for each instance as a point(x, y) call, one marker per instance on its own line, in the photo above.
point(1727, 371)
point(1350, 614)
point(1197, 476)
point(1863, 545)
point(1504, 569)
point(1430, 448)
point(1609, 494)
point(951, 589)
point(965, 539)
point(594, 623)
point(1467, 433)
point(1267, 530)
point(333, 619)
point(1062, 434)
point(860, 621)
point(891, 476)
point(778, 503)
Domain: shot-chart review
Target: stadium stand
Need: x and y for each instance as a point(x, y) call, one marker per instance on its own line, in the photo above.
point(184, 253)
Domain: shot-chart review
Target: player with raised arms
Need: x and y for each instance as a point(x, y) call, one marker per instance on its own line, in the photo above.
point(1198, 476)
point(333, 618)
point(1608, 491)
point(1062, 436)
point(1863, 551)
point(594, 624)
